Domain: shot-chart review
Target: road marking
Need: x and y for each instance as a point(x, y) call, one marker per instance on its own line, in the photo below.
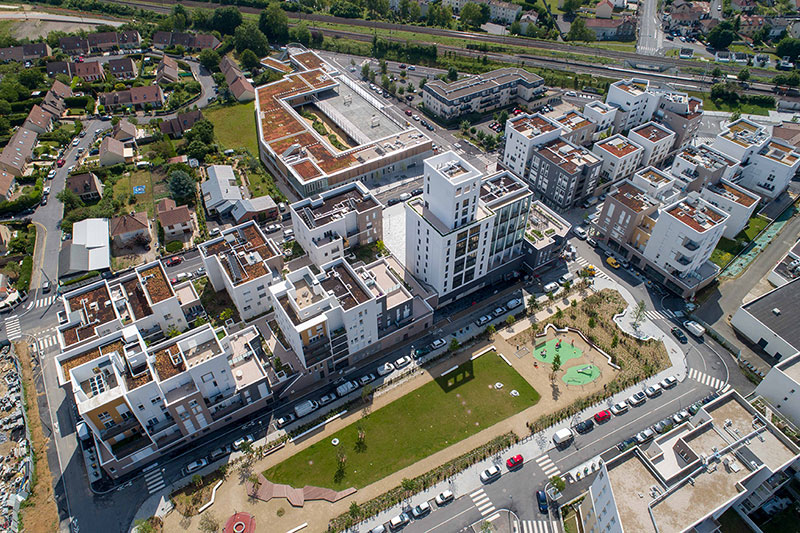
point(705, 379)
point(535, 526)
point(44, 302)
point(13, 331)
point(548, 466)
point(482, 502)
point(154, 481)
point(664, 314)
point(46, 342)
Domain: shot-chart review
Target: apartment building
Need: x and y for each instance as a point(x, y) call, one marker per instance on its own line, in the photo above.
point(562, 174)
point(482, 93)
point(524, 134)
point(334, 221)
point(787, 269)
point(739, 203)
point(728, 455)
point(145, 298)
point(333, 319)
point(767, 164)
point(670, 239)
point(781, 386)
point(620, 156)
point(368, 143)
point(680, 113)
point(546, 236)
point(499, 11)
point(465, 230)
point(634, 103)
point(576, 128)
point(656, 142)
point(603, 115)
point(143, 400)
point(243, 262)
point(770, 321)
point(699, 166)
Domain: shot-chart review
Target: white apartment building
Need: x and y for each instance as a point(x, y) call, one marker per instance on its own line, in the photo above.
point(739, 203)
point(481, 93)
point(464, 227)
point(656, 142)
point(728, 455)
point(334, 221)
point(499, 11)
point(576, 128)
point(680, 113)
point(635, 104)
point(781, 387)
point(140, 401)
point(621, 157)
point(243, 262)
point(603, 115)
point(524, 134)
point(770, 321)
point(767, 164)
point(701, 165)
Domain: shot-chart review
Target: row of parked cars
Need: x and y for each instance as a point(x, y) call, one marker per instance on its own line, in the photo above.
point(217, 454)
point(418, 511)
point(499, 311)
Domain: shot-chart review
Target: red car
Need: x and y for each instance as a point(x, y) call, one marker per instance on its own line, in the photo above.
point(514, 462)
point(60, 163)
point(602, 416)
point(172, 261)
point(408, 112)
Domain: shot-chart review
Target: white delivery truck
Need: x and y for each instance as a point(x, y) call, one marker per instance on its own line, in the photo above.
point(346, 388)
point(694, 328)
point(563, 436)
point(304, 408)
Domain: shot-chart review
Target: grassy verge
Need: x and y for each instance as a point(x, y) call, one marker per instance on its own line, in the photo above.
point(746, 108)
point(234, 126)
point(727, 249)
point(429, 419)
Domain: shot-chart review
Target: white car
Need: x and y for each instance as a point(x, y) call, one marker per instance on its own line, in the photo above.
point(46, 190)
point(490, 474)
point(511, 304)
point(415, 117)
point(551, 287)
point(363, 380)
point(498, 311)
point(195, 466)
point(76, 142)
point(619, 408)
point(403, 361)
point(328, 398)
point(680, 417)
point(579, 232)
point(388, 368)
point(668, 383)
point(405, 196)
point(438, 343)
point(483, 320)
point(51, 174)
point(238, 443)
point(443, 498)
point(285, 420)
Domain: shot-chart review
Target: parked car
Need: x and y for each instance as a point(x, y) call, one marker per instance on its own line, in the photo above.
point(681, 416)
point(399, 521)
point(421, 510)
point(438, 343)
point(239, 443)
point(490, 474)
point(195, 466)
point(653, 391)
point(75, 142)
point(515, 302)
point(602, 416)
point(551, 287)
point(328, 398)
point(679, 334)
point(405, 196)
point(663, 426)
point(514, 462)
point(613, 263)
point(403, 361)
point(627, 443)
point(272, 228)
point(498, 311)
point(637, 399)
point(387, 368)
point(644, 436)
point(173, 261)
point(483, 320)
point(285, 420)
point(408, 112)
point(378, 529)
point(580, 232)
point(563, 437)
point(363, 380)
point(46, 286)
point(444, 498)
point(46, 190)
point(416, 192)
point(619, 408)
point(393, 201)
point(200, 272)
point(585, 426)
point(60, 163)
point(51, 174)
point(219, 453)
point(668, 382)
point(541, 500)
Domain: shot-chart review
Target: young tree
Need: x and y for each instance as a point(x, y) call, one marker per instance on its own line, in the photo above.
point(533, 305)
point(558, 483)
point(490, 330)
point(454, 345)
point(209, 523)
point(365, 71)
point(716, 73)
point(556, 365)
point(181, 185)
point(452, 74)
point(639, 312)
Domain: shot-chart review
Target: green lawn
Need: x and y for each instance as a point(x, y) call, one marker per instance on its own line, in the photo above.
point(710, 105)
point(123, 189)
point(235, 126)
point(429, 419)
point(755, 225)
point(727, 249)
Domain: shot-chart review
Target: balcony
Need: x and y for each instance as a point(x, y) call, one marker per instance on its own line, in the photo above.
point(130, 445)
point(691, 245)
point(115, 430)
point(683, 260)
point(158, 427)
point(166, 440)
point(221, 413)
point(219, 398)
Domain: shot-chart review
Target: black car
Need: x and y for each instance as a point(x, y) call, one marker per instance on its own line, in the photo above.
point(393, 201)
point(416, 192)
point(541, 499)
point(429, 127)
point(627, 443)
point(584, 427)
point(680, 335)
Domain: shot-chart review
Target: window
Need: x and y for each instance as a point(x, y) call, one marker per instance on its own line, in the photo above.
point(207, 377)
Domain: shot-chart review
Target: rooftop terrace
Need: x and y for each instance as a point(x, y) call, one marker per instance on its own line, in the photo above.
point(632, 87)
point(653, 132)
point(740, 197)
point(500, 189)
point(567, 156)
point(95, 308)
point(698, 216)
point(706, 157)
point(155, 282)
point(744, 133)
point(653, 176)
point(618, 146)
point(573, 120)
point(632, 197)
point(532, 125)
point(486, 81)
point(242, 251)
point(781, 153)
point(168, 361)
point(324, 208)
point(344, 286)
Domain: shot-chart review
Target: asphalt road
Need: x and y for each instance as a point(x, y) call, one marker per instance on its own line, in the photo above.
point(651, 37)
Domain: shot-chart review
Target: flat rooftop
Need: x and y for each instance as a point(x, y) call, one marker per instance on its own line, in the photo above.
point(305, 295)
point(706, 157)
point(155, 282)
point(569, 157)
point(532, 125)
point(653, 132)
point(632, 87)
point(95, 308)
point(781, 153)
point(698, 216)
point(744, 133)
point(344, 286)
point(654, 176)
point(501, 189)
point(242, 251)
point(731, 193)
point(84, 357)
point(776, 310)
point(387, 284)
point(632, 197)
point(359, 112)
point(631, 481)
point(483, 82)
point(573, 120)
point(324, 208)
point(600, 107)
point(618, 146)
point(168, 361)
point(792, 368)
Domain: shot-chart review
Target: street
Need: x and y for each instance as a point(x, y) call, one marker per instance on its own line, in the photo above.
point(651, 37)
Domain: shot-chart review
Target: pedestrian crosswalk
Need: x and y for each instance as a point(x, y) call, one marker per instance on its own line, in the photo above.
point(705, 379)
point(663, 314)
point(154, 481)
point(46, 301)
point(534, 526)
point(13, 331)
point(46, 342)
point(482, 502)
point(598, 273)
point(547, 465)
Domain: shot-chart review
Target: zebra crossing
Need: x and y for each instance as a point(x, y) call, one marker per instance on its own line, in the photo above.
point(13, 330)
point(534, 526)
point(154, 481)
point(46, 342)
point(663, 314)
point(705, 379)
point(598, 273)
point(46, 301)
point(547, 465)
point(482, 502)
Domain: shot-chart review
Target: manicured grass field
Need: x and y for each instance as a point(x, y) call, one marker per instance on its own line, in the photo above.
point(235, 126)
point(432, 417)
point(566, 351)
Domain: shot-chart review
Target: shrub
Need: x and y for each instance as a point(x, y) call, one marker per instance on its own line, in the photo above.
point(174, 246)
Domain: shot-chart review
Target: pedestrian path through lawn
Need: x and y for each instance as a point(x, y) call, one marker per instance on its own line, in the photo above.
point(424, 421)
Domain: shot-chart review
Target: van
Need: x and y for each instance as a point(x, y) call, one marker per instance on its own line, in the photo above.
point(346, 388)
point(563, 436)
point(304, 408)
point(569, 277)
point(694, 328)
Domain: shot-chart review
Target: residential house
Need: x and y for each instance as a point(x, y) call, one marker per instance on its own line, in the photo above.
point(789, 132)
point(177, 222)
point(688, 15)
point(130, 229)
point(55, 68)
point(655, 140)
point(503, 12)
point(220, 191)
point(180, 124)
point(89, 249)
point(167, 70)
point(136, 97)
point(74, 45)
point(619, 29)
point(777, 25)
point(87, 186)
point(749, 24)
point(621, 157)
point(604, 9)
point(114, 152)
point(100, 42)
point(125, 131)
point(7, 183)
point(53, 101)
point(88, 71)
point(123, 68)
point(38, 120)
point(241, 89)
point(18, 152)
point(528, 18)
point(260, 209)
point(25, 52)
point(745, 6)
point(192, 41)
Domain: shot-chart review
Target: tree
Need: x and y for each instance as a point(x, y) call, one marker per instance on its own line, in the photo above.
point(365, 71)
point(516, 28)
point(533, 305)
point(464, 125)
point(355, 510)
point(226, 314)
point(639, 312)
point(556, 362)
point(472, 15)
point(274, 23)
point(249, 59)
point(716, 73)
point(414, 12)
point(454, 345)
point(571, 6)
point(721, 36)
point(209, 58)
point(31, 78)
point(301, 34)
point(209, 522)
point(384, 67)
point(225, 20)
point(202, 130)
point(744, 74)
point(579, 32)
point(69, 199)
point(558, 483)
point(510, 320)
point(378, 8)
point(490, 330)
point(198, 150)
point(181, 186)
point(452, 74)
point(248, 35)
point(366, 393)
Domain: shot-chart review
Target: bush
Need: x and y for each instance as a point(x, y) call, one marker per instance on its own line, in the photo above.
point(174, 246)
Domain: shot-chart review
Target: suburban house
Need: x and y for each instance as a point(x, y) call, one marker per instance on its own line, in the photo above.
point(194, 41)
point(684, 13)
point(114, 152)
point(38, 120)
point(125, 131)
point(25, 52)
point(499, 11)
point(261, 208)
point(620, 29)
point(180, 124)
point(85, 70)
point(100, 42)
point(175, 221)
point(529, 17)
point(136, 97)
point(53, 101)
point(745, 6)
point(241, 89)
point(220, 190)
point(749, 24)
point(89, 248)
point(18, 152)
point(604, 9)
point(167, 70)
point(87, 186)
point(7, 183)
point(123, 68)
point(130, 228)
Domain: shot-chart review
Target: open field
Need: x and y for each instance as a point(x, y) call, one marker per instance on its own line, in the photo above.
point(123, 188)
point(235, 126)
point(426, 420)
